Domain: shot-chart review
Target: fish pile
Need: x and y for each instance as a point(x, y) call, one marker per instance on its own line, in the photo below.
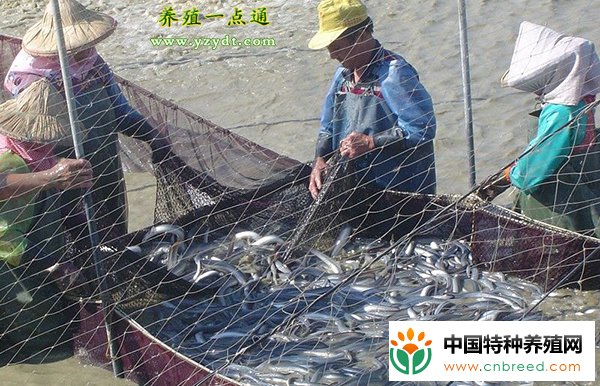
point(321, 317)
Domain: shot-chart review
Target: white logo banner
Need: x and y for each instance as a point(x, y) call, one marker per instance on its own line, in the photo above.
point(492, 351)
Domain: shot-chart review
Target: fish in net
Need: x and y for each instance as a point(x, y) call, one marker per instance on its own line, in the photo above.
point(228, 303)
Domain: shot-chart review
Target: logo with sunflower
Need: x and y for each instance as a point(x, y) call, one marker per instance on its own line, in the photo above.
point(407, 356)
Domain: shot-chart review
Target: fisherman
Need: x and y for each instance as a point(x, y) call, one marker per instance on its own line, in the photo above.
point(32, 318)
point(558, 177)
point(376, 110)
point(100, 105)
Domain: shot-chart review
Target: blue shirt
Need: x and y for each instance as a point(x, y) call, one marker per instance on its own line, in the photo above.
point(403, 125)
point(403, 93)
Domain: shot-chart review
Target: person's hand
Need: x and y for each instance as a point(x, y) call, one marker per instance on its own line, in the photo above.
point(356, 144)
point(316, 176)
point(493, 186)
point(70, 174)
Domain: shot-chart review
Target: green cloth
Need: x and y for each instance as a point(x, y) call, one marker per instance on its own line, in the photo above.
point(557, 185)
point(16, 214)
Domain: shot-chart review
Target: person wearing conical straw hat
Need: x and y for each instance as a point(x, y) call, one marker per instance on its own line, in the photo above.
point(31, 239)
point(558, 178)
point(376, 111)
point(100, 105)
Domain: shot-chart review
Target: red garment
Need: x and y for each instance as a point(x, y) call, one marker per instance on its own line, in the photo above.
point(37, 156)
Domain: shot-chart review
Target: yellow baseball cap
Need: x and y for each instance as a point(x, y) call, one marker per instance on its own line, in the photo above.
point(335, 17)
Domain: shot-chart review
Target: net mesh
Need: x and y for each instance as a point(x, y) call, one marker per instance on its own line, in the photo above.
point(246, 279)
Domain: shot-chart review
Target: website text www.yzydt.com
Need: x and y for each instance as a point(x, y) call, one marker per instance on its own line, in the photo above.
point(212, 42)
point(512, 367)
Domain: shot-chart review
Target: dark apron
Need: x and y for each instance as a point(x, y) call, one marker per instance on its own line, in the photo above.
point(33, 315)
point(95, 112)
point(47, 234)
point(391, 167)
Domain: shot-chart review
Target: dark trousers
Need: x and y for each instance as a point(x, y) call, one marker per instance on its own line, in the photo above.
point(34, 318)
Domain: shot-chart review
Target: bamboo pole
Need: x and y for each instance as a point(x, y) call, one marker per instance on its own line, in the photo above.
point(87, 198)
point(466, 79)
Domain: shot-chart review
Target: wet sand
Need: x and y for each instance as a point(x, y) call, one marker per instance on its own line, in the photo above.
point(68, 372)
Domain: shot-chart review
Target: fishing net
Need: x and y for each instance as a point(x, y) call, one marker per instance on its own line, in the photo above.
point(244, 278)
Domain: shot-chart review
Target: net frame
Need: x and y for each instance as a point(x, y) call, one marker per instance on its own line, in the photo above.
point(453, 224)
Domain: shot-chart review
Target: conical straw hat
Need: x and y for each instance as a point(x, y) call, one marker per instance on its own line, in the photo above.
point(38, 114)
point(82, 28)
